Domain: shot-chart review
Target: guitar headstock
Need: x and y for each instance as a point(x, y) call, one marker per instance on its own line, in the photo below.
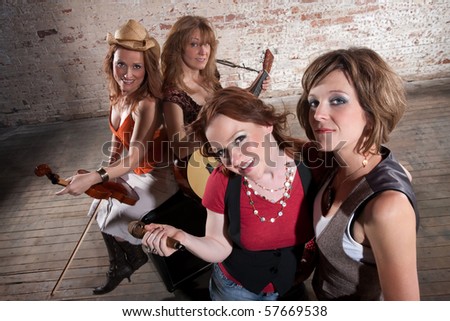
point(268, 60)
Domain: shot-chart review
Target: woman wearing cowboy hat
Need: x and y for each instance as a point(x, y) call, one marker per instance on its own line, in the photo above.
point(134, 79)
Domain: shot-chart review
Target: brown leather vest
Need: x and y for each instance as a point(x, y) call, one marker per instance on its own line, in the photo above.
point(337, 276)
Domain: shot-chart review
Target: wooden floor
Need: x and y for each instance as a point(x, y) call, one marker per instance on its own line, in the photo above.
point(39, 230)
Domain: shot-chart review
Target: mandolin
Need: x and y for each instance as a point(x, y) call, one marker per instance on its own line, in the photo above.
point(116, 188)
point(192, 176)
point(256, 86)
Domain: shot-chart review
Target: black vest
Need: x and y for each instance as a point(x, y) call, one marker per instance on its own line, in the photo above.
point(272, 266)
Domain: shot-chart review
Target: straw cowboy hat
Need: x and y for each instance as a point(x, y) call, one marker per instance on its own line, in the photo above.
point(133, 36)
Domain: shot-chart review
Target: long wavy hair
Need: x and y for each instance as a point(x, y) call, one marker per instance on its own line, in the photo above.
point(380, 92)
point(151, 86)
point(171, 58)
point(241, 105)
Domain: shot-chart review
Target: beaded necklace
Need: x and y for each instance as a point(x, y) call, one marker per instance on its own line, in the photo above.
point(329, 193)
point(287, 186)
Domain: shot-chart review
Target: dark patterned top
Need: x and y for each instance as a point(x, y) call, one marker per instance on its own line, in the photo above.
point(181, 98)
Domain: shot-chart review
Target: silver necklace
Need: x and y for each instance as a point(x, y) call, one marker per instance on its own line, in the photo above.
point(287, 186)
point(272, 190)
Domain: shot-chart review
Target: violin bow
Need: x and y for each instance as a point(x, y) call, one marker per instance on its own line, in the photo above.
point(233, 65)
point(77, 246)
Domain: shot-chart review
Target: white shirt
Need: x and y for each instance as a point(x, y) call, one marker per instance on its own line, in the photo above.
point(353, 249)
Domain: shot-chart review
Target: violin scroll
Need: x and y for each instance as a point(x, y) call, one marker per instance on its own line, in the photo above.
point(44, 169)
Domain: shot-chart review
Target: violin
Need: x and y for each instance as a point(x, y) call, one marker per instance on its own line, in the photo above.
point(117, 188)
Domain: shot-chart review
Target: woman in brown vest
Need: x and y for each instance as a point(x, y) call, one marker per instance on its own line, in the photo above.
point(365, 213)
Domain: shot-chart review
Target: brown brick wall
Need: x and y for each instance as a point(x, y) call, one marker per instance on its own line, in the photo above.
point(51, 51)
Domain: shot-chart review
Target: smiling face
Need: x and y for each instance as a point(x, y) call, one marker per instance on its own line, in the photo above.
point(128, 69)
point(335, 114)
point(242, 147)
point(196, 53)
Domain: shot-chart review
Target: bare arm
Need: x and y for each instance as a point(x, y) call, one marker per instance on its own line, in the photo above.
point(174, 120)
point(147, 120)
point(213, 247)
point(116, 150)
point(390, 227)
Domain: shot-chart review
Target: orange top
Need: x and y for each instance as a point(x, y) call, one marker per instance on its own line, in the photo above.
point(157, 148)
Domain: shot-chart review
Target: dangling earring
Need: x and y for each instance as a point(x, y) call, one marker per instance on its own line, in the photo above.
point(365, 161)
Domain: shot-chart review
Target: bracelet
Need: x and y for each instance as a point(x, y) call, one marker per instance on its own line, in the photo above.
point(103, 174)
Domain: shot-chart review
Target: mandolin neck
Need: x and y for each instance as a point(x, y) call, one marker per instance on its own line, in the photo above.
point(256, 87)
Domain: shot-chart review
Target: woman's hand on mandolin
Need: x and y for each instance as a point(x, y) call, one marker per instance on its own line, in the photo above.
point(266, 83)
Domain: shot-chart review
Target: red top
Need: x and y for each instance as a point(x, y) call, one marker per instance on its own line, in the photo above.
point(291, 229)
point(156, 148)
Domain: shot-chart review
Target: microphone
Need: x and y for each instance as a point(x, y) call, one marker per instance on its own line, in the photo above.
point(137, 229)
